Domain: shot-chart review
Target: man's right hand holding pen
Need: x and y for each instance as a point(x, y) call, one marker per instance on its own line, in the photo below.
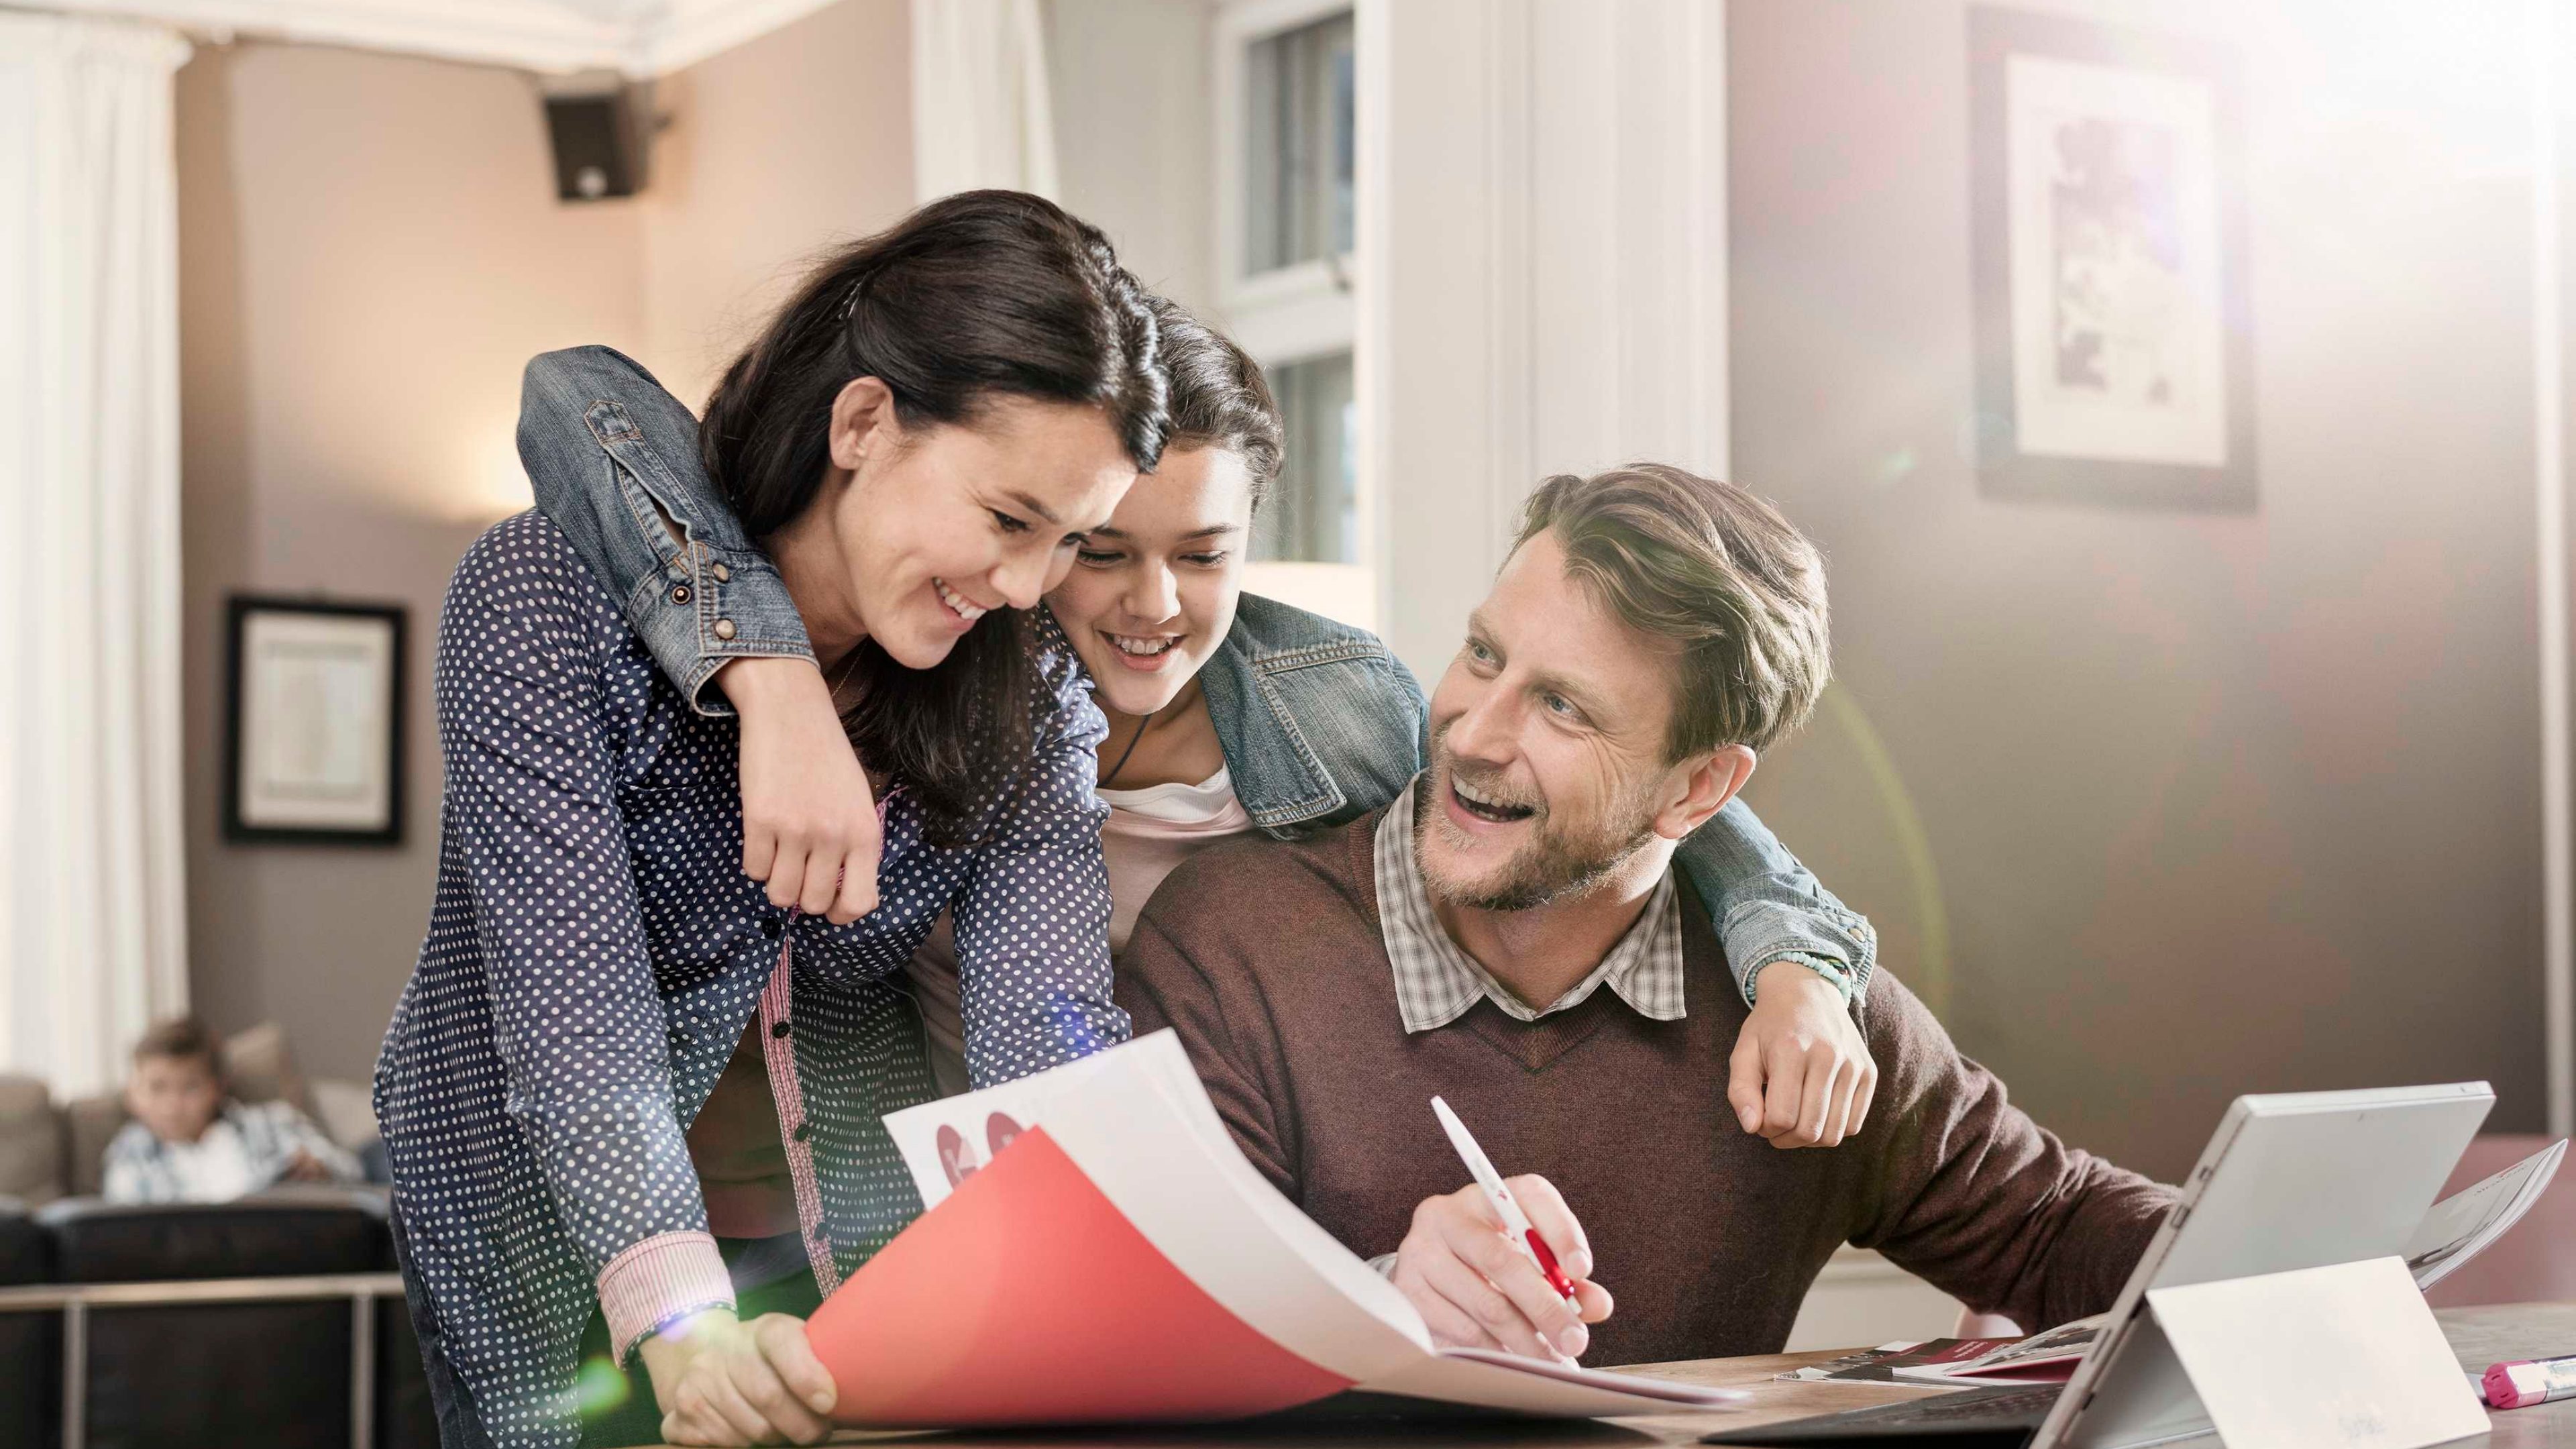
point(1476, 1290)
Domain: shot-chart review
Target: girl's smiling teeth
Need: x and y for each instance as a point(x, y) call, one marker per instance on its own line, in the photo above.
point(1143, 645)
point(958, 603)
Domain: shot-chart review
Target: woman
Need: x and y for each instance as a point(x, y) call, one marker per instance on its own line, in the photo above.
point(625, 1096)
point(1228, 713)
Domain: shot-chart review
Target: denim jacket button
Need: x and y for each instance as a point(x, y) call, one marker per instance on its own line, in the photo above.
point(679, 593)
point(723, 575)
point(724, 628)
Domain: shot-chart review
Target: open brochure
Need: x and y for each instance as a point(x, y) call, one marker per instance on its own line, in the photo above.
point(1098, 1251)
point(2460, 1226)
point(2041, 1358)
point(2454, 1230)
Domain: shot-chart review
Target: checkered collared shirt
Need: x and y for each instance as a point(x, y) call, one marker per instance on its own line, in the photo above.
point(1436, 982)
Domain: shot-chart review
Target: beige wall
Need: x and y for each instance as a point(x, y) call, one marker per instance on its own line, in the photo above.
point(2210, 803)
point(777, 149)
point(370, 248)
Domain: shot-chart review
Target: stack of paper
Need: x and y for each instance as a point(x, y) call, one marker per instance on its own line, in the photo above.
point(1098, 1251)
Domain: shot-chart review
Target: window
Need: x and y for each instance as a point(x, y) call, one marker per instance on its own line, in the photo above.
point(1286, 236)
point(1313, 515)
point(1298, 146)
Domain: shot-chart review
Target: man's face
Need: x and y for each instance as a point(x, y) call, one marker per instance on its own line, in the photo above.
point(1547, 743)
point(175, 1098)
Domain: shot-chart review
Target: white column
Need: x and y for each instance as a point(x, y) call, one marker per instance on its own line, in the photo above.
point(1543, 251)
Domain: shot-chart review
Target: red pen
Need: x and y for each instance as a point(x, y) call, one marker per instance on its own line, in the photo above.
point(1516, 1224)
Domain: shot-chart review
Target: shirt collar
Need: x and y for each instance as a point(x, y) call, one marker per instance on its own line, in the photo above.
point(1436, 981)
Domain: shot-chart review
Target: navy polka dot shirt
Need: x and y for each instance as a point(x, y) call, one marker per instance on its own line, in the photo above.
point(594, 952)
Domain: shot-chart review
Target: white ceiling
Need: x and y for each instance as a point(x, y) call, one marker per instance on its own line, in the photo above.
point(639, 37)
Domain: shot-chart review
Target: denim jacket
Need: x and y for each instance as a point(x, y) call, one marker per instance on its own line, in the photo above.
point(1320, 723)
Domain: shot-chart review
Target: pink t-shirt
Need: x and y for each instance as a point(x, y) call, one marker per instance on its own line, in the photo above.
point(1148, 834)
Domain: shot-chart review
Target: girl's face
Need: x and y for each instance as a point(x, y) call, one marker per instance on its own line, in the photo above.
point(1153, 590)
point(937, 526)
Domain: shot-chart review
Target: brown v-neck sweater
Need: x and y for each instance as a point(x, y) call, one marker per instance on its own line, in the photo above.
point(1267, 958)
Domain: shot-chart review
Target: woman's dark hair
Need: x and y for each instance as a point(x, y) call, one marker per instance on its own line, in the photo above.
point(1219, 397)
point(977, 296)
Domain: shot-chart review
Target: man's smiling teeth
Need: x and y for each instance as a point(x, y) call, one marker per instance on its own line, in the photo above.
point(970, 612)
point(1486, 805)
point(1142, 646)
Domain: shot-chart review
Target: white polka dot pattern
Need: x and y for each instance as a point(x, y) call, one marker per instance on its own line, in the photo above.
point(594, 951)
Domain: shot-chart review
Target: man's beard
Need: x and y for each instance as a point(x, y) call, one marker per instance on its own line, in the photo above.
point(1558, 863)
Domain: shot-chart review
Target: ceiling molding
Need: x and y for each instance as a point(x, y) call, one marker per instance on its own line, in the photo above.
point(688, 31)
point(638, 37)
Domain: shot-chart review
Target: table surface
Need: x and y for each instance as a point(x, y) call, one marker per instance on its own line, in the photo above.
point(2479, 1337)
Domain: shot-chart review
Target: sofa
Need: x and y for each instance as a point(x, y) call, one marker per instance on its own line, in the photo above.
point(277, 1320)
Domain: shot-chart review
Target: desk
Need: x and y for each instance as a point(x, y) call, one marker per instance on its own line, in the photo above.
point(2479, 1336)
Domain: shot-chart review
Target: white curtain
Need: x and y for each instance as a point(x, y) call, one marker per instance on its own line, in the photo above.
point(92, 900)
point(980, 112)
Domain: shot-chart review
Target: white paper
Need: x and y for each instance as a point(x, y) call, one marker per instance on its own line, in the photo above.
point(2341, 1357)
point(2460, 1226)
point(947, 1141)
point(1137, 1122)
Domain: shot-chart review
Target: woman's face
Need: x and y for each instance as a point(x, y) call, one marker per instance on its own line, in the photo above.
point(938, 526)
point(1153, 590)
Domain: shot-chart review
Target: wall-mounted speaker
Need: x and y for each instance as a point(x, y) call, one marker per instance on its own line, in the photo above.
point(601, 138)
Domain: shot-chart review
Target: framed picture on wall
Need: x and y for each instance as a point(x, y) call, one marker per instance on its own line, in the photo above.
point(2114, 342)
point(313, 710)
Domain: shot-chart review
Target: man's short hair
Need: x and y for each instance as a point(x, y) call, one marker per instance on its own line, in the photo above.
point(1716, 571)
point(182, 1038)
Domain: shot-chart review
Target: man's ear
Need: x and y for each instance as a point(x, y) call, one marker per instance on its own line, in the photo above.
point(863, 420)
point(1704, 784)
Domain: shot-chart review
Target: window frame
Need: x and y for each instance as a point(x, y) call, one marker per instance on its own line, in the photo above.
point(1291, 314)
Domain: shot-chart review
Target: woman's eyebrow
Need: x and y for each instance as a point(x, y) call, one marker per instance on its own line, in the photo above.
point(1213, 530)
point(1034, 506)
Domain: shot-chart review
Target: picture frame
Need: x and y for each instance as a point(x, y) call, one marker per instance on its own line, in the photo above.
point(313, 721)
point(2115, 352)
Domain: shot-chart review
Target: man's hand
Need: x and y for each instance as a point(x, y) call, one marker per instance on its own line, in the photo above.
point(303, 1167)
point(719, 1381)
point(1801, 1075)
point(1476, 1290)
point(809, 821)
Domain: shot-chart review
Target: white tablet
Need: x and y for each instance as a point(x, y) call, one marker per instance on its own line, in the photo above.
point(2290, 1180)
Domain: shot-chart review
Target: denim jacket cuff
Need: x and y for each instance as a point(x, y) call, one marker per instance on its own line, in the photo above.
point(1761, 932)
point(1837, 972)
point(698, 685)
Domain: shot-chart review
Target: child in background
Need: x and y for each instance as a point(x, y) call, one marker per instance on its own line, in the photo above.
point(189, 1142)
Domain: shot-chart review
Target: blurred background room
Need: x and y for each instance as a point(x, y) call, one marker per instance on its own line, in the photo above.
point(2173, 760)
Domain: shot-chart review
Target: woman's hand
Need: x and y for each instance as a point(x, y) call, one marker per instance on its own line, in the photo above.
point(720, 1381)
point(1801, 1075)
point(809, 821)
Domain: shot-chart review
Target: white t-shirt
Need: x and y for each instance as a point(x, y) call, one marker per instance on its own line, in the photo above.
point(1148, 834)
point(214, 1168)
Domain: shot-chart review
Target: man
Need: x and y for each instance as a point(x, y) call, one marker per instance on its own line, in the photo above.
point(1508, 934)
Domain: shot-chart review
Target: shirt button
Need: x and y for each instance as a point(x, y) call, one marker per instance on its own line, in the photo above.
point(802, 1132)
point(780, 1029)
point(679, 593)
point(724, 628)
point(723, 575)
point(822, 1232)
point(770, 926)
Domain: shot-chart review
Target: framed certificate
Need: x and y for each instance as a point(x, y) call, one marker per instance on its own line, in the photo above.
point(313, 706)
point(2114, 343)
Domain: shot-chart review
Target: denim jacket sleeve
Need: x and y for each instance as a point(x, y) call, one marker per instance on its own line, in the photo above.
point(1767, 907)
point(613, 460)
